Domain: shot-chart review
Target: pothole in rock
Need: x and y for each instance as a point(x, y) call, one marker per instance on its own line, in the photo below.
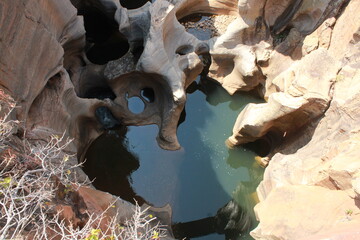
point(206, 184)
point(100, 93)
point(135, 104)
point(148, 94)
point(205, 26)
point(104, 42)
point(133, 4)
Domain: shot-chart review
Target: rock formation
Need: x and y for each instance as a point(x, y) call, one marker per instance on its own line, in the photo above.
point(321, 158)
point(307, 77)
point(74, 66)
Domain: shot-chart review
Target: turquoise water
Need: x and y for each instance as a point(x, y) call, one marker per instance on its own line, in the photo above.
point(196, 180)
point(204, 174)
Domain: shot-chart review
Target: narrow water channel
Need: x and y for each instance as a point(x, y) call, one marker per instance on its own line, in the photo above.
point(196, 180)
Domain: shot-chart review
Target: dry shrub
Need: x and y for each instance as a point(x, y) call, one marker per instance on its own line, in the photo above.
point(30, 180)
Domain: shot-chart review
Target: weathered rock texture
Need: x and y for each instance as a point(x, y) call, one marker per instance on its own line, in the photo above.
point(302, 56)
point(266, 49)
point(305, 63)
point(324, 155)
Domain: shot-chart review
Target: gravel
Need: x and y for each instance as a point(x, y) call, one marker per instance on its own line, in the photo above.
point(216, 23)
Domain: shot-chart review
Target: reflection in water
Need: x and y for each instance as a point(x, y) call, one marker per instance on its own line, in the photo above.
point(230, 220)
point(109, 165)
point(209, 187)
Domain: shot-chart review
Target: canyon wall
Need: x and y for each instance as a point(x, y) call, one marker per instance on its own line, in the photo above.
point(301, 56)
point(308, 72)
point(311, 186)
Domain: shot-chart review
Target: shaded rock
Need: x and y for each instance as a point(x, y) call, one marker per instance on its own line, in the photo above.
point(273, 9)
point(41, 39)
point(106, 118)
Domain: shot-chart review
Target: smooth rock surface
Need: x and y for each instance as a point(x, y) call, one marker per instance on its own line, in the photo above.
point(309, 210)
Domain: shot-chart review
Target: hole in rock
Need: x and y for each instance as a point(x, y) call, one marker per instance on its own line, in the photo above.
point(196, 17)
point(132, 4)
point(104, 41)
point(261, 147)
point(135, 105)
point(206, 184)
point(54, 81)
point(183, 50)
point(113, 48)
point(148, 94)
point(137, 51)
point(100, 93)
point(106, 118)
point(98, 26)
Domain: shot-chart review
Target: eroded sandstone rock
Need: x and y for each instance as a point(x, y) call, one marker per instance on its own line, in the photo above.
point(299, 95)
point(323, 154)
point(300, 55)
point(309, 210)
point(43, 67)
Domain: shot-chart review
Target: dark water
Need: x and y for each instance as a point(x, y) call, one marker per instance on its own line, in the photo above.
point(204, 175)
point(196, 180)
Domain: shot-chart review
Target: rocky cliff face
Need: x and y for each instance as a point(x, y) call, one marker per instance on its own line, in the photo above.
point(308, 76)
point(310, 187)
point(311, 184)
point(76, 73)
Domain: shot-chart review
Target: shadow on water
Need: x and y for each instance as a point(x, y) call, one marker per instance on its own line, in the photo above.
point(209, 187)
point(109, 164)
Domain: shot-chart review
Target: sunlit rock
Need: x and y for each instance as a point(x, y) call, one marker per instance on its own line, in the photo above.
point(324, 153)
point(297, 212)
point(78, 75)
point(300, 94)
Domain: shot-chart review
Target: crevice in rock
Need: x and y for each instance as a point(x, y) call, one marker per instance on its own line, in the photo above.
point(283, 20)
point(100, 93)
point(280, 37)
point(185, 49)
point(137, 50)
point(104, 41)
